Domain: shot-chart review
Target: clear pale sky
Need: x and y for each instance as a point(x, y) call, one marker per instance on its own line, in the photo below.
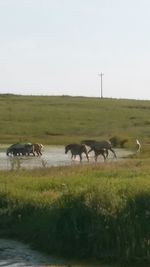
point(58, 47)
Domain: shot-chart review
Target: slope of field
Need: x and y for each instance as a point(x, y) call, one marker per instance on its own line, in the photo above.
point(63, 119)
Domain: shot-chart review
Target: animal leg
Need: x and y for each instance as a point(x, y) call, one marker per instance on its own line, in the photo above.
point(86, 155)
point(33, 152)
point(96, 158)
point(97, 153)
point(90, 150)
point(106, 153)
point(38, 152)
point(73, 156)
point(104, 156)
point(113, 152)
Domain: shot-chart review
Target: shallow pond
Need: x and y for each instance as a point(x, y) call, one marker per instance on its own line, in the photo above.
point(52, 156)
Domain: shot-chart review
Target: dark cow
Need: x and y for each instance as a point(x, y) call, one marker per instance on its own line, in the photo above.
point(77, 149)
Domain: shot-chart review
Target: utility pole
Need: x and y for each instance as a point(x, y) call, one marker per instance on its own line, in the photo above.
point(101, 75)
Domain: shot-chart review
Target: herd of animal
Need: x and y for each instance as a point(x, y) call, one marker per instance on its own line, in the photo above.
point(26, 149)
point(98, 147)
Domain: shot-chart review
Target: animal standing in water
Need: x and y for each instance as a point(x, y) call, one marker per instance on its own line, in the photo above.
point(98, 152)
point(77, 149)
point(99, 146)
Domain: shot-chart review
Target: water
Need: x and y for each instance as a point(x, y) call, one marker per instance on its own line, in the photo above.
point(16, 254)
point(52, 156)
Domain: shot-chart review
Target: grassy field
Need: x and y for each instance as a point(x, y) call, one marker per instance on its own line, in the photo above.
point(93, 211)
point(63, 119)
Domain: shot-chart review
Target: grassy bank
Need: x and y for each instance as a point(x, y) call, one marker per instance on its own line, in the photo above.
point(97, 211)
point(64, 119)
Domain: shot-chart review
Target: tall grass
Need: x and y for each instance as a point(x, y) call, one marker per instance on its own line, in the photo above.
point(100, 211)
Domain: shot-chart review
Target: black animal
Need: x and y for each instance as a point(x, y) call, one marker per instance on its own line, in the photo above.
point(88, 142)
point(20, 149)
point(99, 151)
point(99, 146)
point(77, 149)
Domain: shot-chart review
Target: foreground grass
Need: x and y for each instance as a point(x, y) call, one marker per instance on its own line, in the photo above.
point(99, 211)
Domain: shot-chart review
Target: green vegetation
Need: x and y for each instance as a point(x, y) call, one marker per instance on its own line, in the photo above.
point(96, 211)
point(100, 211)
point(63, 119)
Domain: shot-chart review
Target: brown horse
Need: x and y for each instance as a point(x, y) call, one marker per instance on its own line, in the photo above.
point(38, 149)
point(77, 149)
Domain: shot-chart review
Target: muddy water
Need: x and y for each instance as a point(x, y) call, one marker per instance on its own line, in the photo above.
point(52, 156)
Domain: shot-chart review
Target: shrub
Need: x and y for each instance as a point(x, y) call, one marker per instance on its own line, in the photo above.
point(118, 142)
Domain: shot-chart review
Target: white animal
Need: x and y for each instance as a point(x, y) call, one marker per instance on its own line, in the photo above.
point(138, 145)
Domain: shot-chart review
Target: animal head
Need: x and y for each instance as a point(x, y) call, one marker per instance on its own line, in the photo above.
point(67, 149)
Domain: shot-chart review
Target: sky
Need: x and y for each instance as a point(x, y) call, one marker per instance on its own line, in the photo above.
point(59, 47)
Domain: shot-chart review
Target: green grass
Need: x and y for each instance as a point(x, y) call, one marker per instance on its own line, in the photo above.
point(98, 211)
point(62, 119)
point(94, 211)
